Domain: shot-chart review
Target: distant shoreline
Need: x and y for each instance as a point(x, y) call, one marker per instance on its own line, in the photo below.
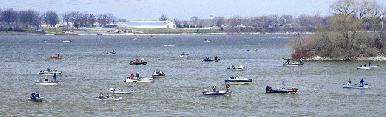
point(146, 34)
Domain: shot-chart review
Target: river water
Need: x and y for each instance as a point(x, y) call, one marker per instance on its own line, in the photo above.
point(87, 71)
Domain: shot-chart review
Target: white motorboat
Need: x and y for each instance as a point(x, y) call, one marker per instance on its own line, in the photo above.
point(66, 41)
point(216, 92)
point(118, 91)
point(137, 78)
point(361, 85)
point(183, 55)
point(47, 80)
point(107, 97)
point(207, 41)
point(365, 68)
point(290, 63)
point(237, 68)
point(269, 89)
point(237, 80)
point(356, 86)
point(35, 97)
point(158, 74)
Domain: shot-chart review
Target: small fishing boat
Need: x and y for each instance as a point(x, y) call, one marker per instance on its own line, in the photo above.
point(361, 85)
point(208, 59)
point(48, 71)
point(183, 55)
point(56, 57)
point(355, 86)
point(365, 67)
point(118, 91)
point(237, 68)
point(290, 63)
point(47, 80)
point(269, 89)
point(158, 74)
point(237, 80)
point(35, 97)
point(138, 62)
point(112, 52)
point(138, 79)
point(66, 41)
point(207, 41)
point(216, 92)
point(107, 97)
point(170, 45)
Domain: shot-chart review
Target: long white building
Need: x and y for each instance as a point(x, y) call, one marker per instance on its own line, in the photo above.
point(151, 24)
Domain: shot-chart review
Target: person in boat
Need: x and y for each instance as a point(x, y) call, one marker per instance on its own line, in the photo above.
point(361, 83)
point(227, 86)
point(137, 75)
point(216, 58)
point(54, 77)
point(214, 88)
point(301, 61)
point(287, 61)
point(48, 69)
point(349, 83)
point(364, 65)
point(131, 76)
point(268, 88)
point(33, 96)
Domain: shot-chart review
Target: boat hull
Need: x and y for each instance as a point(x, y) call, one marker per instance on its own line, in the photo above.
point(47, 83)
point(355, 86)
point(217, 93)
point(238, 82)
point(36, 100)
point(143, 80)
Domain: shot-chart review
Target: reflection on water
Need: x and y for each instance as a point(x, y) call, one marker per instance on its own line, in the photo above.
point(88, 70)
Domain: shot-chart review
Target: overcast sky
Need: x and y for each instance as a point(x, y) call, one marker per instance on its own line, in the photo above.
point(182, 9)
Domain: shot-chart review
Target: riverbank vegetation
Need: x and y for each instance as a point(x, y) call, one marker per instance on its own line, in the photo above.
point(354, 31)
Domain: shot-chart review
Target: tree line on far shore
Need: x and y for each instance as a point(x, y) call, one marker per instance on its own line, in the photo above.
point(31, 21)
point(356, 29)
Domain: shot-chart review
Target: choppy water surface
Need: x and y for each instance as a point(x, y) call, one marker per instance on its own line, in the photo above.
point(88, 70)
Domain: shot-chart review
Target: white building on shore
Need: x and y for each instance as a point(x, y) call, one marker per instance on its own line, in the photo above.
point(151, 24)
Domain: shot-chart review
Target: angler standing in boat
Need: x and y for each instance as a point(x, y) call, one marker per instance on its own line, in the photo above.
point(361, 83)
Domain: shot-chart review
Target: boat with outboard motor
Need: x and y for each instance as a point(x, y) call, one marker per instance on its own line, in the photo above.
point(48, 71)
point(290, 63)
point(237, 80)
point(361, 85)
point(208, 59)
point(47, 80)
point(237, 68)
point(207, 41)
point(269, 89)
point(118, 91)
point(137, 78)
point(56, 57)
point(216, 92)
point(138, 62)
point(107, 97)
point(35, 97)
point(183, 55)
point(112, 52)
point(158, 74)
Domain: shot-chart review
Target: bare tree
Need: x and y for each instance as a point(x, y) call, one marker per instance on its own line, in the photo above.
point(29, 18)
point(51, 18)
point(9, 16)
point(163, 18)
